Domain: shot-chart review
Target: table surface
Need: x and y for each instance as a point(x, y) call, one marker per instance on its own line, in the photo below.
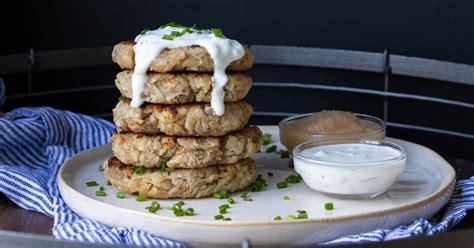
point(14, 218)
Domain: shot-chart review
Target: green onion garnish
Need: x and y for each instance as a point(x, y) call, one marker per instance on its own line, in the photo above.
point(221, 195)
point(140, 198)
point(217, 32)
point(282, 185)
point(284, 154)
point(164, 167)
point(259, 185)
point(227, 219)
point(219, 217)
point(153, 207)
point(167, 37)
point(172, 24)
point(291, 217)
point(293, 179)
point(244, 195)
point(267, 139)
point(144, 31)
point(101, 188)
point(189, 212)
point(248, 199)
point(301, 211)
point(109, 183)
point(92, 184)
point(230, 200)
point(271, 149)
point(286, 197)
point(223, 211)
point(100, 193)
point(277, 218)
point(139, 170)
point(121, 98)
point(328, 206)
point(224, 206)
point(120, 195)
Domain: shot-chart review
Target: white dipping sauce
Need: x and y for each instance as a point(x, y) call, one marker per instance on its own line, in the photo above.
point(359, 169)
point(148, 46)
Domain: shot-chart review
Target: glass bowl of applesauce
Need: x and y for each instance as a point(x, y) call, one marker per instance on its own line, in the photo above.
point(329, 125)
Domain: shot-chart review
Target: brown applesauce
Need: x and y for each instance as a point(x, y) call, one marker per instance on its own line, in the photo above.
point(327, 125)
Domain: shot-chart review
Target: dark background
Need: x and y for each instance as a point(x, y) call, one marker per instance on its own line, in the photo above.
point(440, 30)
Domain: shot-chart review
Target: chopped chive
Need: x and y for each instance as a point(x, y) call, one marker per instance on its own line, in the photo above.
point(328, 206)
point(293, 179)
point(100, 193)
point(223, 211)
point(172, 24)
point(217, 32)
point(277, 218)
point(244, 195)
point(302, 216)
point(101, 168)
point(286, 197)
point(271, 149)
point(140, 170)
point(109, 183)
point(230, 200)
point(189, 212)
point(227, 219)
point(259, 185)
point(175, 33)
point(224, 206)
point(221, 195)
point(121, 98)
point(180, 203)
point(92, 184)
point(101, 188)
point(458, 191)
point(167, 37)
point(179, 212)
point(269, 174)
point(120, 195)
point(140, 198)
point(282, 185)
point(248, 199)
point(301, 211)
point(284, 154)
point(155, 206)
point(144, 31)
point(267, 139)
point(163, 167)
point(219, 217)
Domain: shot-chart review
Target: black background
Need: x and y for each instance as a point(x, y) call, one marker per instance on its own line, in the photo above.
point(440, 30)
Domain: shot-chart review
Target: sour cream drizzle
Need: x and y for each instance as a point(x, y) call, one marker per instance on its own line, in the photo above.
point(222, 50)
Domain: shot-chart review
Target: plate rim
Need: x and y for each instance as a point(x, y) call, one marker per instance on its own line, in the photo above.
point(443, 189)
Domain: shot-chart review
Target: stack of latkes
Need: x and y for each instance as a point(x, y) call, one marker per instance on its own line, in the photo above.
point(174, 145)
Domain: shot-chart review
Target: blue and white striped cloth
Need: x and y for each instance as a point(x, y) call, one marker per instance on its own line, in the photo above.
point(34, 142)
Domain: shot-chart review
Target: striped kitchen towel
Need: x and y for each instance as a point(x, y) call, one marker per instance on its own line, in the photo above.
point(34, 142)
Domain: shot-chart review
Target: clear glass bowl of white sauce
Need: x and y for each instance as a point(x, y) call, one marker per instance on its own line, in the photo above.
point(354, 169)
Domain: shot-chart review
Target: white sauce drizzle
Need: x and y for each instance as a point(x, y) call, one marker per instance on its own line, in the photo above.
point(222, 50)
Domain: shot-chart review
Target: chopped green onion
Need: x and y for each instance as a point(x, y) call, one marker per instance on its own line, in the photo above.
point(121, 98)
point(217, 32)
point(244, 195)
point(302, 216)
point(144, 31)
point(140, 198)
point(139, 170)
point(219, 217)
point(92, 184)
point(328, 206)
point(286, 197)
point(167, 37)
point(164, 167)
point(120, 195)
point(284, 154)
point(153, 207)
point(230, 200)
point(271, 149)
point(189, 212)
point(301, 211)
point(293, 179)
point(248, 199)
point(227, 219)
point(221, 195)
point(224, 206)
point(109, 183)
point(172, 24)
point(223, 211)
point(178, 212)
point(101, 168)
point(291, 217)
point(267, 139)
point(101, 188)
point(100, 193)
point(277, 218)
point(175, 33)
point(179, 204)
point(282, 185)
point(259, 185)
point(269, 174)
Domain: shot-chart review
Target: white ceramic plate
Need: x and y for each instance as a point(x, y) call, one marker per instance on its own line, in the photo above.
point(419, 192)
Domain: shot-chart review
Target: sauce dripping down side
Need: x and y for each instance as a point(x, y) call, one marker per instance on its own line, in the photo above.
point(223, 51)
